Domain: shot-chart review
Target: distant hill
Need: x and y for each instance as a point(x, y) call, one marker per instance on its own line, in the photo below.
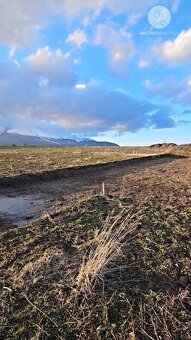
point(8, 139)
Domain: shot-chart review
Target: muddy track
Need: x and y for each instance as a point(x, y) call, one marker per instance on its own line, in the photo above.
point(31, 178)
point(26, 197)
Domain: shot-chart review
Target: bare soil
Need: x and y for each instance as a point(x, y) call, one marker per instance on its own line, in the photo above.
point(142, 294)
point(27, 197)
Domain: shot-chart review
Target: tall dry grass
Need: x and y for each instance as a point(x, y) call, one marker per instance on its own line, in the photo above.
point(107, 246)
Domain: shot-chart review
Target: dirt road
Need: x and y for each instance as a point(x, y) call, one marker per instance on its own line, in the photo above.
point(28, 199)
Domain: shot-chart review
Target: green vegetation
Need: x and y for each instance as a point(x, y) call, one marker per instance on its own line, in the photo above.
point(141, 291)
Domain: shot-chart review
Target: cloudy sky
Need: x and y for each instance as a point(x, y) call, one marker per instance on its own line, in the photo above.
point(116, 70)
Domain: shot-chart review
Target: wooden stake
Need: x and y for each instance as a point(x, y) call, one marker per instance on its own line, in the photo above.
point(103, 188)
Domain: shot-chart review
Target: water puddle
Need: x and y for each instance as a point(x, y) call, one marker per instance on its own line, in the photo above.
point(20, 209)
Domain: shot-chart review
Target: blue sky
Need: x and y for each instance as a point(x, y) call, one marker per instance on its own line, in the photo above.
point(103, 69)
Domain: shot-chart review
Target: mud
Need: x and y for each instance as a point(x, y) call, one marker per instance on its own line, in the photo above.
point(18, 209)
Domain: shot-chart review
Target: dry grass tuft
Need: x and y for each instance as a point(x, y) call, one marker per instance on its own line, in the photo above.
point(105, 248)
point(50, 261)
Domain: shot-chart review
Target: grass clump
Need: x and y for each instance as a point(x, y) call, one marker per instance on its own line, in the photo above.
point(105, 248)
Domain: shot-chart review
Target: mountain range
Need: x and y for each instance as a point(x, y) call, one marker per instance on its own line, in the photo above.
point(10, 139)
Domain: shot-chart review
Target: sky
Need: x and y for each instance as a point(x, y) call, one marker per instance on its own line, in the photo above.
point(115, 70)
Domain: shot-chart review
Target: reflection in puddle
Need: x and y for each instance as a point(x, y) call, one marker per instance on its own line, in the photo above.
point(21, 208)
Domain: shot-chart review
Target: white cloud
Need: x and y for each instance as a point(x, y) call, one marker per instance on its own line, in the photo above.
point(90, 18)
point(43, 81)
point(42, 55)
point(119, 45)
point(21, 20)
point(30, 101)
point(12, 52)
point(80, 86)
point(134, 18)
point(16, 63)
point(147, 83)
point(52, 65)
point(143, 64)
point(77, 61)
point(177, 51)
point(172, 89)
point(74, 8)
point(175, 5)
point(78, 37)
point(45, 56)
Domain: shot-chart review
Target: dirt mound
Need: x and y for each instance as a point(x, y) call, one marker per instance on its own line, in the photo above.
point(163, 145)
point(49, 175)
